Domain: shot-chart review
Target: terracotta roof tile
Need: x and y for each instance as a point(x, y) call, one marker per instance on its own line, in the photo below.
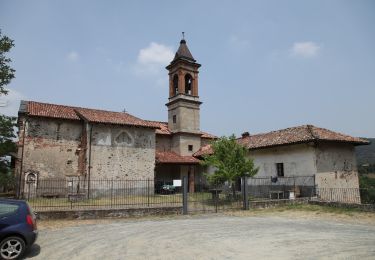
point(109, 117)
point(292, 135)
point(299, 134)
point(76, 113)
point(162, 129)
point(51, 110)
point(208, 136)
point(204, 150)
point(172, 158)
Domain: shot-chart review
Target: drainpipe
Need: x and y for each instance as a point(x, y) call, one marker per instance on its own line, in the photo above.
point(89, 169)
point(22, 154)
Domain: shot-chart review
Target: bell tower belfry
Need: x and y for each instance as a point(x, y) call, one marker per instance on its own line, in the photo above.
point(183, 105)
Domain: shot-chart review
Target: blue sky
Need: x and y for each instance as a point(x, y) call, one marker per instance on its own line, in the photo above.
point(266, 65)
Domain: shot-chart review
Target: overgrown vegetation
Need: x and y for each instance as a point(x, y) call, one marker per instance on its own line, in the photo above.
point(366, 154)
point(366, 168)
point(367, 186)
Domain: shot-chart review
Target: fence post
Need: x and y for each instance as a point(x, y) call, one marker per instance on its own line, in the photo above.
point(184, 196)
point(148, 192)
point(112, 193)
point(245, 194)
point(28, 193)
point(216, 197)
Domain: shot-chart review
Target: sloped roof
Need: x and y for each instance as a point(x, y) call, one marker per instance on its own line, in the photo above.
point(49, 110)
point(298, 134)
point(162, 129)
point(204, 150)
point(288, 136)
point(169, 157)
point(183, 52)
point(208, 135)
point(39, 109)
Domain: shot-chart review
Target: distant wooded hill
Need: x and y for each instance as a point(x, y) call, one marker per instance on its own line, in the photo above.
point(366, 153)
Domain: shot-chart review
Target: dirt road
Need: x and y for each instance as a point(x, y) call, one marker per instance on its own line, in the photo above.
point(209, 237)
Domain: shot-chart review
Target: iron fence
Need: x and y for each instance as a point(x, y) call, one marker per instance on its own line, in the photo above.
point(77, 194)
point(214, 198)
point(61, 194)
point(281, 187)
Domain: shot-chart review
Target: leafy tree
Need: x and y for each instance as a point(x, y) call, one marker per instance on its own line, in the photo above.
point(7, 124)
point(6, 72)
point(230, 162)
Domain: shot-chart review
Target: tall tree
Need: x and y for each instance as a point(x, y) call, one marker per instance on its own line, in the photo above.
point(7, 123)
point(230, 161)
point(6, 71)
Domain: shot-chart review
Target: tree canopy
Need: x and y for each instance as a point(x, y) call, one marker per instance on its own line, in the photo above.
point(7, 123)
point(6, 71)
point(230, 161)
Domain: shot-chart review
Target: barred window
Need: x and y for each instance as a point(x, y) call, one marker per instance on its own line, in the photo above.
point(280, 169)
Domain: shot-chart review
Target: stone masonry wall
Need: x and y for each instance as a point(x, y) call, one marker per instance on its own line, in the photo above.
point(122, 152)
point(51, 147)
point(336, 166)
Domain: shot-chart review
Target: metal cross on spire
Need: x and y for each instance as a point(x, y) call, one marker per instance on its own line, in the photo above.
point(183, 35)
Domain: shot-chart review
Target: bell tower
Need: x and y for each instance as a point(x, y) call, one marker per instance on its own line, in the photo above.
point(183, 105)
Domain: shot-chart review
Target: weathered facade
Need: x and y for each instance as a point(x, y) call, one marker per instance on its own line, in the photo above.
point(305, 151)
point(73, 143)
point(64, 142)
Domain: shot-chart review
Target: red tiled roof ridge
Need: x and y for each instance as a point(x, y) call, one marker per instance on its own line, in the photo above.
point(158, 122)
point(311, 134)
point(279, 130)
point(43, 109)
point(166, 131)
point(289, 136)
point(52, 104)
point(172, 157)
point(77, 107)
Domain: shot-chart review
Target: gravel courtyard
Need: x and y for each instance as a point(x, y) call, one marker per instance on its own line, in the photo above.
point(209, 237)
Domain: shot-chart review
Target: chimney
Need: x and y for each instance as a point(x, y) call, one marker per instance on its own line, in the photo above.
point(245, 134)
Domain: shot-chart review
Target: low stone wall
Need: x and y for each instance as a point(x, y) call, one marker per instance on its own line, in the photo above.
point(363, 207)
point(108, 213)
point(264, 204)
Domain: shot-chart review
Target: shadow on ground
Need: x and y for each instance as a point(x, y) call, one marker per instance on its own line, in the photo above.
point(33, 251)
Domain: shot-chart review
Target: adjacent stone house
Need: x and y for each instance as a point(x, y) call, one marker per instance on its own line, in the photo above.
point(304, 151)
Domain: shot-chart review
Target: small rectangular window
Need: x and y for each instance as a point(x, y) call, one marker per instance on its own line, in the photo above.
point(280, 169)
point(190, 147)
point(174, 119)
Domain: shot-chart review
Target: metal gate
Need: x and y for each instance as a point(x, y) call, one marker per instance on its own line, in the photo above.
point(213, 198)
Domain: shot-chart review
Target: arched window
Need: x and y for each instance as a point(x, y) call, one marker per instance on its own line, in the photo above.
point(31, 177)
point(175, 85)
point(188, 84)
point(124, 138)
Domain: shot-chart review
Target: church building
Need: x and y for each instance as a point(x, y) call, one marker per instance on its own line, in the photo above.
point(66, 142)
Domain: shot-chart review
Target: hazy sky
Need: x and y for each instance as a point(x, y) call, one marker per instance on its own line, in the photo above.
point(266, 65)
